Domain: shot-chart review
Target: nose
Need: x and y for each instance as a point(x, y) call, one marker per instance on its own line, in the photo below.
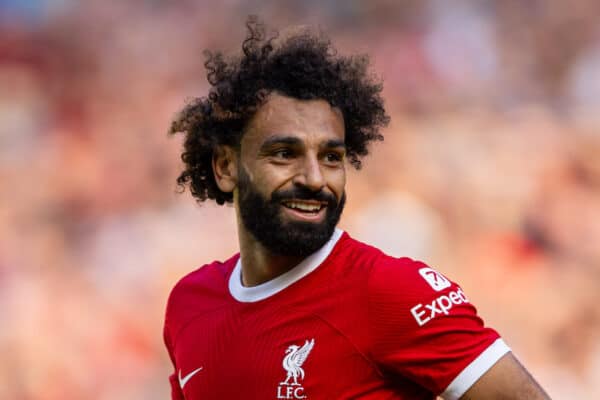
point(310, 174)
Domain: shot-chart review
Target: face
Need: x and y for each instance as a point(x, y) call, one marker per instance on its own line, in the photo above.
point(291, 175)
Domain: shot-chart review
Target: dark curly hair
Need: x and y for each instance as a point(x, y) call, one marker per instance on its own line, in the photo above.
point(303, 65)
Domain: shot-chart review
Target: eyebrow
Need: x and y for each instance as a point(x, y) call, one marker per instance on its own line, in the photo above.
point(334, 143)
point(272, 141)
point(294, 141)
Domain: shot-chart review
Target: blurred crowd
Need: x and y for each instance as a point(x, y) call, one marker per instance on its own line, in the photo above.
point(490, 172)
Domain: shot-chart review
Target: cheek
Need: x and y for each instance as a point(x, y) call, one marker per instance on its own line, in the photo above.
point(337, 182)
point(270, 179)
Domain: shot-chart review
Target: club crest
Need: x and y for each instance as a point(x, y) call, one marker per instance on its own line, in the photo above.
point(295, 356)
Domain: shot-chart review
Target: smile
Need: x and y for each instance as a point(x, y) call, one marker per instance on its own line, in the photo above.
point(305, 205)
point(305, 210)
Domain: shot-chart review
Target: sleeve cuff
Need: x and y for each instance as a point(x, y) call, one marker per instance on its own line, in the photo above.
point(475, 370)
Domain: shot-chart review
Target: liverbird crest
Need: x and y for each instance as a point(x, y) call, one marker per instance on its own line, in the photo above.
point(292, 362)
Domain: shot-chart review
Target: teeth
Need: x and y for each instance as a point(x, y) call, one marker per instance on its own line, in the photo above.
point(303, 206)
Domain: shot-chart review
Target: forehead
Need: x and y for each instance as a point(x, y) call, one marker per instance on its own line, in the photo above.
point(309, 120)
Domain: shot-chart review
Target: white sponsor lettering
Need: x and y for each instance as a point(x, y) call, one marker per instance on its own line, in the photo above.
point(441, 305)
point(436, 280)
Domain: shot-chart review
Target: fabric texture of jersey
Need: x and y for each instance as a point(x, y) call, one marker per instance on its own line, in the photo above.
point(349, 322)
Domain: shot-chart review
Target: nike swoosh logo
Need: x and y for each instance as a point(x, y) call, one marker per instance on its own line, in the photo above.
point(185, 380)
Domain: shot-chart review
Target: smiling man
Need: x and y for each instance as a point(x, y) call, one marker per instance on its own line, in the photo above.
point(304, 311)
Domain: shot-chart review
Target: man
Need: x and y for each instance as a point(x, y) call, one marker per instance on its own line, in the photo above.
point(304, 311)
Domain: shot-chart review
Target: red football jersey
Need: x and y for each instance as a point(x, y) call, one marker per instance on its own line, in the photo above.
point(349, 322)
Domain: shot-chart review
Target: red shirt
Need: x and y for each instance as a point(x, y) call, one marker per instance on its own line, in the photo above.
point(349, 322)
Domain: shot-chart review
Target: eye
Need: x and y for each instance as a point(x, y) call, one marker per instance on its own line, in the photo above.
point(333, 157)
point(283, 154)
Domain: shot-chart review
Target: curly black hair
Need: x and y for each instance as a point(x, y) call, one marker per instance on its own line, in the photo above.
point(303, 65)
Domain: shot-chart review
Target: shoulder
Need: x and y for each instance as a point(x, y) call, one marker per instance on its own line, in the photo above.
point(383, 270)
point(207, 276)
point(355, 254)
point(198, 292)
point(423, 326)
point(415, 289)
point(411, 277)
point(210, 279)
point(407, 289)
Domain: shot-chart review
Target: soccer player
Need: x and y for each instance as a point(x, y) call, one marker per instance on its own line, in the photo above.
point(304, 311)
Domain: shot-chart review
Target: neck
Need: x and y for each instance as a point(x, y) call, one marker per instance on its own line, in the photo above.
point(259, 265)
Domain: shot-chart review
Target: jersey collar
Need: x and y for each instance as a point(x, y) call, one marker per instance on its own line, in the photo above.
point(269, 288)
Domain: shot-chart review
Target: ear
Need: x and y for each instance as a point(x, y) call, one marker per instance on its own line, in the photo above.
point(224, 164)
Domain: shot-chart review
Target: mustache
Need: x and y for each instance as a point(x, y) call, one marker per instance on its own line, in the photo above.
point(303, 193)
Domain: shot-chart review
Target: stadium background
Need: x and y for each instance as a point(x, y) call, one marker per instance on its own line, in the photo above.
point(490, 172)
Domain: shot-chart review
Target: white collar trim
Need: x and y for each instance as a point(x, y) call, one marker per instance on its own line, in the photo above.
point(269, 288)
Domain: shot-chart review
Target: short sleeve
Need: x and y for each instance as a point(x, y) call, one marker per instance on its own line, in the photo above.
point(424, 328)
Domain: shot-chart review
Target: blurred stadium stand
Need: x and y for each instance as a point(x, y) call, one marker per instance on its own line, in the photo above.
point(490, 172)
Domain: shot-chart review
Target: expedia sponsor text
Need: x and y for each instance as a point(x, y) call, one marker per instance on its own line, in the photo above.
point(441, 305)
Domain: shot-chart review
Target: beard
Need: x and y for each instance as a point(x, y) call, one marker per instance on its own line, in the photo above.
point(263, 218)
